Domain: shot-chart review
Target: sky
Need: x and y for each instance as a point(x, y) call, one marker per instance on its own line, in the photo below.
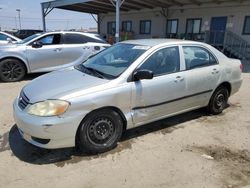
point(31, 16)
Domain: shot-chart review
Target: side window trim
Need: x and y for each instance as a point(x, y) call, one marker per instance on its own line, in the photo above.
point(199, 46)
point(182, 66)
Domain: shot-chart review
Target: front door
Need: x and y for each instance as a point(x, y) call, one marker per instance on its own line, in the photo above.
point(217, 30)
point(47, 57)
point(157, 98)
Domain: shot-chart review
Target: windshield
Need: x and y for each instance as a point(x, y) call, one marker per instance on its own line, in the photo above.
point(114, 60)
point(28, 38)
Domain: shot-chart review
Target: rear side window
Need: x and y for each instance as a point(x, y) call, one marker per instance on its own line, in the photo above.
point(196, 57)
point(74, 39)
point(163, 61)
point(79, 39)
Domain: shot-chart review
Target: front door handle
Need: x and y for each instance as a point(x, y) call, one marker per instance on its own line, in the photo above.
point(57, 49)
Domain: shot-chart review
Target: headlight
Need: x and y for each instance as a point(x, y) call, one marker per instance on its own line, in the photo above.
point(48, 108)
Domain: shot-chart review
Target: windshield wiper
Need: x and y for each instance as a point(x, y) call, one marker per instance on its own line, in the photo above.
point(92, 70)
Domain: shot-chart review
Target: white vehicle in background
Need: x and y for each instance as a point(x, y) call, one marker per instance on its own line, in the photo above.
point(45, 52)
point(6, 38)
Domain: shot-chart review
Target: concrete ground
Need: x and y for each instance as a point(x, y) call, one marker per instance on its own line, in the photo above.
point(191, 150)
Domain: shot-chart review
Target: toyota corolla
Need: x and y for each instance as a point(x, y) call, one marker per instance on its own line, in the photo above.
point(127, 85)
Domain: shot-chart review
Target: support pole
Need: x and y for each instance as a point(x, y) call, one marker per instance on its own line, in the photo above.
point(43, 18)
point(117, 34)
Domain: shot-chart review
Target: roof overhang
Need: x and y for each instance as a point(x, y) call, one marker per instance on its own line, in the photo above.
point(106, 6)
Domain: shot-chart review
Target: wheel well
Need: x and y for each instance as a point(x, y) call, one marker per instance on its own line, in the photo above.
point(226, 85)
point(124, 120)
point(26, 68)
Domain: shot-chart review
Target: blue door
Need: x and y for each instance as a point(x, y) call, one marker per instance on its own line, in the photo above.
point(217, 30)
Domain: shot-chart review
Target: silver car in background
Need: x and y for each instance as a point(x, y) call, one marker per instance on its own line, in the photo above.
point(44, 52)
point(6, 38)
point(127, 85)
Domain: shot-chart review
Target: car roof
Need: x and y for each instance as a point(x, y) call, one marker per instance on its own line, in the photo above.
point(92, 35)
point(155, 42)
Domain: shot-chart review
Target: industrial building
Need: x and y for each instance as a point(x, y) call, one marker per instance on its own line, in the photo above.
point(224, 24)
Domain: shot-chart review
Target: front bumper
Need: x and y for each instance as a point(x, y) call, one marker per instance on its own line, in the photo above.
point(59, 131)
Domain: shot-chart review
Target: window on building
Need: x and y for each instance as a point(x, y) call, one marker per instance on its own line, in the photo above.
point(246, 28)
point(145, 27)
point(193, 26)
point(111, 28)
point(127, 26)
point(172, 26)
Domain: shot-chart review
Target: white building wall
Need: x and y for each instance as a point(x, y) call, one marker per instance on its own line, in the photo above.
point(235, 12)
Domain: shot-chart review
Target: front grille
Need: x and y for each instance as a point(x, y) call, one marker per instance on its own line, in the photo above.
point(23, 100)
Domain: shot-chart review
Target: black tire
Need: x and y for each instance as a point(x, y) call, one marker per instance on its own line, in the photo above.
point(99, 132)
point(218, 101)
point(12, 70)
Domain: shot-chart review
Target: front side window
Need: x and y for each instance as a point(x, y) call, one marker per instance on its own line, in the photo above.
point(246, 28)
point(172, 26)
point(111, 28)
point(115, 60)
point(127, 26)
point(3, 37)
point(196, 57)
point(50, 39)
point(164, 61)
point(193, 26)
point(145, 27)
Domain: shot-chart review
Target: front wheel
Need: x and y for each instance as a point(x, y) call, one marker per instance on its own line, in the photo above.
point(218, 101)
point(100, 131)
point(12, 70)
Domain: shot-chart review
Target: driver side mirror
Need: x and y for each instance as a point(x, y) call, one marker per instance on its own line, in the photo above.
point(143, 75)
point(9, 40)
point(37, 44)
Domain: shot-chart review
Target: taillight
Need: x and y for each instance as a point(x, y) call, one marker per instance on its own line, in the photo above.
point(241, 67)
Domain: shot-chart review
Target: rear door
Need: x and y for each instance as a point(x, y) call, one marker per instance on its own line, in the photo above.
point(202, 75)
point(160, 96)
point(76, 48)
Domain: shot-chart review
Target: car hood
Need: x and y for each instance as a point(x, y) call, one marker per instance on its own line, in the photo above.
point(57, 84)
point(9, 45)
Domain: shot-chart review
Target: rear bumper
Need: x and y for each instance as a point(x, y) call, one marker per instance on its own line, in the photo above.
point(60, 131)
point(235, 86)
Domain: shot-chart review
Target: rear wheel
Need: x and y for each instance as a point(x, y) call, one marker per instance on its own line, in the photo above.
point(100, 131)
point(218, 101)
point(12, 70)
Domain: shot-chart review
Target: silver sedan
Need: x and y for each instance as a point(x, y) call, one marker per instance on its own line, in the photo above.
point(44, 52)
point(127, 85)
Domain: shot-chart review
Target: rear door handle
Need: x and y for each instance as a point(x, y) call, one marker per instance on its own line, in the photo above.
point(86, 47)
point(215, 71)
point(179, 79)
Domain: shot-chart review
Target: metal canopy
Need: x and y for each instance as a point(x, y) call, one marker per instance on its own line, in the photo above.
point(115, 6)
point(105, 6)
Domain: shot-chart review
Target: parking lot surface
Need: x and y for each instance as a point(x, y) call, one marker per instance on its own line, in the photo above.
point(190, 150)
